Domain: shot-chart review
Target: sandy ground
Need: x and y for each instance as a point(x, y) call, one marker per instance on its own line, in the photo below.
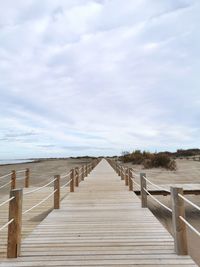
point(187, 172)
point(40, 172)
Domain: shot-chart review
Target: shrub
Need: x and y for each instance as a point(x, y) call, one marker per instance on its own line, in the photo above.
point(163, 161)
point(150, 160)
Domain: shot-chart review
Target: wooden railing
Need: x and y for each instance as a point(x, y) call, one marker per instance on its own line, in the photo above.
point(14, 224)
point(177, 211)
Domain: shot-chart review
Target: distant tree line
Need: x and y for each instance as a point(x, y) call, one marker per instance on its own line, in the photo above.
point(186, 152)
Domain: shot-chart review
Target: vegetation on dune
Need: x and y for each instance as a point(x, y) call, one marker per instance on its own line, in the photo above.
point(184, 152)
point(149, 160)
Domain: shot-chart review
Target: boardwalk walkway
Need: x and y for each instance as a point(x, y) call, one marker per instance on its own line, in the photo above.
point(100, 224)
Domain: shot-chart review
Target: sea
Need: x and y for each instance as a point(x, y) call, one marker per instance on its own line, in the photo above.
point(14, 161)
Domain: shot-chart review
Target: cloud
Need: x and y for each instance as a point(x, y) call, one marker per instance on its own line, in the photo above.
point(96, 77)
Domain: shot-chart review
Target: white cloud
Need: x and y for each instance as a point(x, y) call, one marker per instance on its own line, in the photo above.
point(99, 74)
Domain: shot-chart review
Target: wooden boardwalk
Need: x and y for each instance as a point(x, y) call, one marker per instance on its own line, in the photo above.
point(100, 224)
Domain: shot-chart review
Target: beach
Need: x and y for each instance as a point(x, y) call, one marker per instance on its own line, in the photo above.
point(40, 170)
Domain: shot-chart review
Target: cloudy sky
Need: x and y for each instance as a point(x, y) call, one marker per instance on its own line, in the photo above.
point(98, 76)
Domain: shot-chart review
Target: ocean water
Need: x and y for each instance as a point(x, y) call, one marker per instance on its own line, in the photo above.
point(14, 161)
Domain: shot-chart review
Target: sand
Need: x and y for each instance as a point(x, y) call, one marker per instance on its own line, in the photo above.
point(40, 172)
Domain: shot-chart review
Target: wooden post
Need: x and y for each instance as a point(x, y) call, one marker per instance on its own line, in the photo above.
point(13, 180)
point(72, 180)
point(143, 185)
point(57, 192)
point(86, 170)
point(27, 175)
point(82, 175)
point(77, 176)
point(130, 180)
point(121, 173)
point(126, 176)
point(179, 227)
point(118, 170)
point(14, 229)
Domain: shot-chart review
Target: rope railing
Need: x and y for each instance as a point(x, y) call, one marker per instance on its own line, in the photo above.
point(183, 219)
point(38, 204)
point(177, 210)
point(135, 183)
point(157, 186)
point(6, 175)
point(189, 202)
point(11, 220)
point(19, 179)
point(163, 205)
point(65, 175)
point(20, 171)
point(6, 184)
point(6, 224)
point(66, 184)
point(39, 188)
point(190, 226)
point(6, 201)
point(14, 179)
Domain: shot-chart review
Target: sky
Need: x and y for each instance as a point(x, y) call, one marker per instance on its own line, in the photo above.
point(98, 77)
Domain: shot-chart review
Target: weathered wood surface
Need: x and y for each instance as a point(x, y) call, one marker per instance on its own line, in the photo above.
point(31, 219)
point(100, 224)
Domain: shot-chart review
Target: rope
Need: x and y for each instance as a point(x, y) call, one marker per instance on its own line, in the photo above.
point(135, 183)
point(81, 173)
point(37, 189)
point(157, 200)
point(26, 211)
point(5, 225)
point(190, 226)
point(21, 178)
point(20, 171)
point(159, 187)
point(5, 185)
point(64, 176)
point(189, 202)
point(134, 173)
point(5, 175)
point(66, 184)
point(6, 201)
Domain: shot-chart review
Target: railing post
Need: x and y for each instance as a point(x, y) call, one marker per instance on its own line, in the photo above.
point(86, 170)
point(57, 192)
point(27, 176)
point(72, 174)
point(130, 180)
point(14, 229)
point(77, 176)
point(13, 180)
point(121, 173)
point(179, 227)
point(117, 169)
point(82, 175)
point(126, 176)
point(143, 185)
